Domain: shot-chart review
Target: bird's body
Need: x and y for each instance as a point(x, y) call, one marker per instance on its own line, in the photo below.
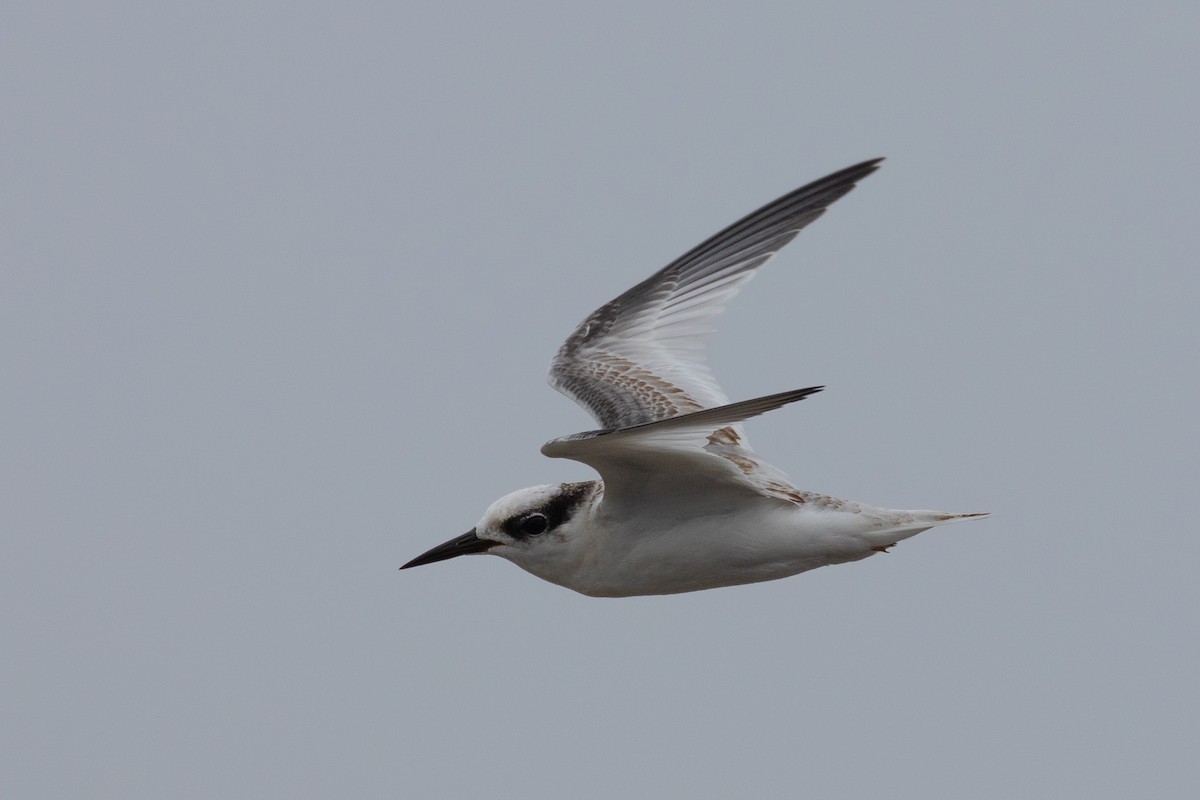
point(662, 551)
point(683, 503)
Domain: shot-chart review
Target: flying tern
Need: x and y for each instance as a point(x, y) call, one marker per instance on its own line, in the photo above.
point(682, 503)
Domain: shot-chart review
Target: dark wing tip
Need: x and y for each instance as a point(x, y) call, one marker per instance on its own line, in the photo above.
point(862, 168)
point(726, 414)
point(771, 227)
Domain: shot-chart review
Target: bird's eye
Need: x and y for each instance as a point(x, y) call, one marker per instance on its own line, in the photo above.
point(534, 524)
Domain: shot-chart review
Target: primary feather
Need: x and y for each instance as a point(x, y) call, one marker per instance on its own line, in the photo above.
point(641, 357)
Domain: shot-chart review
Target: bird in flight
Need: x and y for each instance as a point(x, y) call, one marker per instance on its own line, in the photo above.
point(683, 503)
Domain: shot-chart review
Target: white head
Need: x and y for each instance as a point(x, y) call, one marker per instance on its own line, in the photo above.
point(536, 529)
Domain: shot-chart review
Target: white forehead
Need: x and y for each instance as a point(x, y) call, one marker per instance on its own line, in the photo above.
point(514, 503)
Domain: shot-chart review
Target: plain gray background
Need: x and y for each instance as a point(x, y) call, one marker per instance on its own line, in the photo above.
point(280, 286)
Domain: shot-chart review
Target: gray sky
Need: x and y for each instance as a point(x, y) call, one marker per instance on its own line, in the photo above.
point(280, 284)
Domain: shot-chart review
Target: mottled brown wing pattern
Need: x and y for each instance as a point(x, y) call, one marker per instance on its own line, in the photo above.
point(641, 358)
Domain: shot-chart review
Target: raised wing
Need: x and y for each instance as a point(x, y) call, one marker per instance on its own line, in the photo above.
point(674, 461)
point(641, 357)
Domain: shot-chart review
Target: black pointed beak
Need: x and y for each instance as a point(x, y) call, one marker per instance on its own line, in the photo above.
point(461, 546)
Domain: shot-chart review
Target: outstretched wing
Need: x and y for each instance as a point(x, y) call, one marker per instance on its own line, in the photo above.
point(674, 461)
point(641, 358)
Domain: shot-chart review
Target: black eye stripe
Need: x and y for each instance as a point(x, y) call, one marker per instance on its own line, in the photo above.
point(556, 510)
